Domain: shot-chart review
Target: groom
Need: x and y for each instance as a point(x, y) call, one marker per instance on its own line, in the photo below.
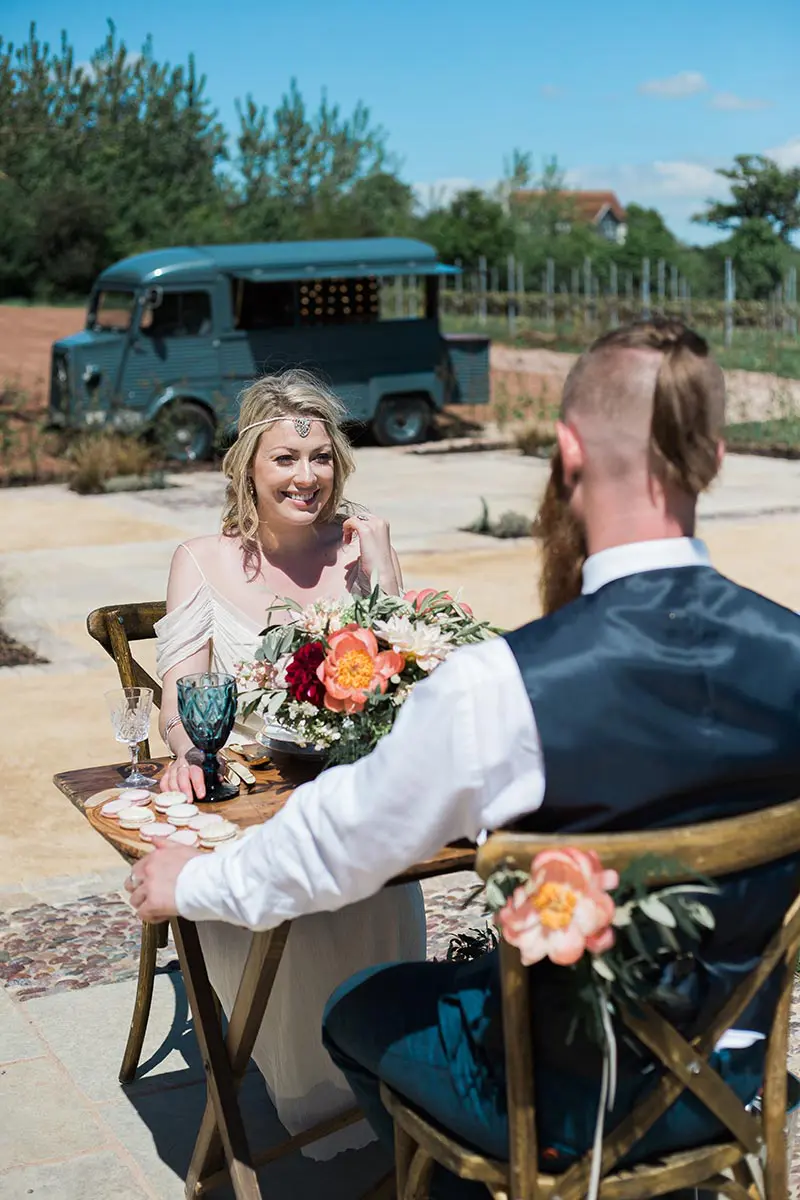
point(654, 693)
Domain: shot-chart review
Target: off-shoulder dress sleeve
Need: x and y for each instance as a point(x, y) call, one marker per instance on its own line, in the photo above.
point(185, 630)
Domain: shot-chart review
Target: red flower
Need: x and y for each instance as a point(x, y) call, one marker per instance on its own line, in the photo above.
point(301, 674)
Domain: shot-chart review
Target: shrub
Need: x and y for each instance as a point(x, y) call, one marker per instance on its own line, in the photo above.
point(508, 525)
point(95, 458)
point(537, 440)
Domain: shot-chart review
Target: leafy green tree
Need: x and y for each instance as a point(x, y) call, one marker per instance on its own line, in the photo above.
point(759, 256)
point(760, 191)
point(473, 225)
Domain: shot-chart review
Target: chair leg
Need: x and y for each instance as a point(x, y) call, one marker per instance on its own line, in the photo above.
point(404, 1148)
point(163, 934)
point(151, 935)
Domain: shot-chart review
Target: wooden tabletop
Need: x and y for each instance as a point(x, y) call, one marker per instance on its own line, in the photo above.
point(89, 788)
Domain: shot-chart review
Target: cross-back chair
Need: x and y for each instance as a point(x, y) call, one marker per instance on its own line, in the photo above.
point(751, 1161)
point(115, 627)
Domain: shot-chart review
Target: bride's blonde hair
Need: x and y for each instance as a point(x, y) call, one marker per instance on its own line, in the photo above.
point(290, 393)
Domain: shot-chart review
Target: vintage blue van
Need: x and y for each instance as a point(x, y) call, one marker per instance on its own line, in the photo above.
point(173, 336)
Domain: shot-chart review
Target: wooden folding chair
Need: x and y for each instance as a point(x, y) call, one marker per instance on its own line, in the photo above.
point(115, 627)
point(751, 1161)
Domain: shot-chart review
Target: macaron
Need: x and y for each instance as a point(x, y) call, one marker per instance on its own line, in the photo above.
point(220, 831)
point(156, 831)
point(203, 820)
point(183, 837)
point(136, 795)
point(135, 817)
point(181, 814)
point(164, 800)
point(112, 808)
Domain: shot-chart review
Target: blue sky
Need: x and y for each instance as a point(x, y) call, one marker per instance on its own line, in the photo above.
point(643, 99)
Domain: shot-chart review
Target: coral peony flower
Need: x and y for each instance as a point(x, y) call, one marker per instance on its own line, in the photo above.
point(422, 600)
point(354, 667)
point(302, 681)
point(424, 644)
point(563, 910)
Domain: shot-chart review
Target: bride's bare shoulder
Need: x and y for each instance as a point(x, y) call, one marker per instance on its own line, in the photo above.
point(209, 551)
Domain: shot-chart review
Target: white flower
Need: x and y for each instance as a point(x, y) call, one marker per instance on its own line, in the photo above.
point(403, 692)
point(425, 644)
point(321, 617)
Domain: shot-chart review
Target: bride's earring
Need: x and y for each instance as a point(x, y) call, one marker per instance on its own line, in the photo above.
point(251, 487)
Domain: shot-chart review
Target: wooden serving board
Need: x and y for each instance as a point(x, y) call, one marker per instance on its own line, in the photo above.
point(251, 807)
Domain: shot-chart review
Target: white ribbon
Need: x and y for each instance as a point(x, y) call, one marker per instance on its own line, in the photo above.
point(608, 1095)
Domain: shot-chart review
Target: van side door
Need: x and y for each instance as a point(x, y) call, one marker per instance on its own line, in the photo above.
point(173, 354)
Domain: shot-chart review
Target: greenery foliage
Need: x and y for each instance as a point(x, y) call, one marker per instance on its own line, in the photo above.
point(124, 153)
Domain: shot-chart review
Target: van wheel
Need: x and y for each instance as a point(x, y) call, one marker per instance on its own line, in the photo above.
point(185, 431)
point(401, 420)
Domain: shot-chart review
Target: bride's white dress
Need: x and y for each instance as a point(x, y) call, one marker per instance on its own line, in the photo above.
point(322, 950)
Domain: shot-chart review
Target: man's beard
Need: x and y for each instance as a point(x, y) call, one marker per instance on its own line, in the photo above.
point(563, 543)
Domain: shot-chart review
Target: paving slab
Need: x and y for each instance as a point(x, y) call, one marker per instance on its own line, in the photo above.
point(86, 1030)
point(90, 1177)
point(18, 1038)
point(158, 1128)
point(44, 1115)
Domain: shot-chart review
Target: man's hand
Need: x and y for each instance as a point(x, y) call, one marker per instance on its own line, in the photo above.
point(152, 881)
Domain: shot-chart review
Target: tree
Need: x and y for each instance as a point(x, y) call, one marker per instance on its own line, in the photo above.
point(472, 226)
point(760, 191)
point(759, 258)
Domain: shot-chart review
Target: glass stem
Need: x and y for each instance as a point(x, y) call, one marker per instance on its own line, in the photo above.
point(134, 757)
point(210, 774)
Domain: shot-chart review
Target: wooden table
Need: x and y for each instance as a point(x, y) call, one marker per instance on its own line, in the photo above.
point(222, 1150)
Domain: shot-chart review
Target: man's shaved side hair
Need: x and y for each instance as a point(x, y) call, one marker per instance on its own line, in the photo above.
point(649, 388)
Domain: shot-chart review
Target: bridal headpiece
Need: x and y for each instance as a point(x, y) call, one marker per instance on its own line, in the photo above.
point(301, 424)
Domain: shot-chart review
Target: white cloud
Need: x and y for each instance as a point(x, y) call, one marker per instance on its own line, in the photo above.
point(787, 155)
point(551, 91)
point(675, 87)
point(729, 102)
point(441, 191)
point(639, 182)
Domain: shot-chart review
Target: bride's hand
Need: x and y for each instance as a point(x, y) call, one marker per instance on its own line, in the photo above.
point(185, 774)
point(375, 549)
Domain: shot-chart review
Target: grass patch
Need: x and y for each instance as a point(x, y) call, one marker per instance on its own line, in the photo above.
point(96, 459)
point(766, 350)
point(778, 438)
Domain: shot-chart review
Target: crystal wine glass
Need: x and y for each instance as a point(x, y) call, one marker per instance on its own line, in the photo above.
point(207, 708)
point(130, 710)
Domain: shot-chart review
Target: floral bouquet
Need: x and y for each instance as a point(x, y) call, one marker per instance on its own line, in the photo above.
point(333, 677)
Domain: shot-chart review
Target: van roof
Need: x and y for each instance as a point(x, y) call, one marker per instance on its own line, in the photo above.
point(263, 261)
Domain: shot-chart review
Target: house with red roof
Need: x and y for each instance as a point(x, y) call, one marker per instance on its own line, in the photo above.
point(600, 209)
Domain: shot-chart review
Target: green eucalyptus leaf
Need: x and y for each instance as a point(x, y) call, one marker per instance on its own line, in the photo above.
point(657, 911)
point(602, 968)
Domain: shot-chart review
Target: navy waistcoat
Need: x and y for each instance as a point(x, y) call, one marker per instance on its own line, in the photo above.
point(667, 698)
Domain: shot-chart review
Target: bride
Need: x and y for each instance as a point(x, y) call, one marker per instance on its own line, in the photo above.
point(284, 533)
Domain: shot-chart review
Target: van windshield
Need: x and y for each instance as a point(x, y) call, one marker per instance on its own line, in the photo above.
point(111, 310)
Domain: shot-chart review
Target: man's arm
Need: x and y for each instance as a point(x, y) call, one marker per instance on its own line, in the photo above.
point(464, 754)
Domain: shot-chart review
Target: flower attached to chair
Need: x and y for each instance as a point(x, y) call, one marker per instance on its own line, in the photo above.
point(562, 910)
point(354, 667)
